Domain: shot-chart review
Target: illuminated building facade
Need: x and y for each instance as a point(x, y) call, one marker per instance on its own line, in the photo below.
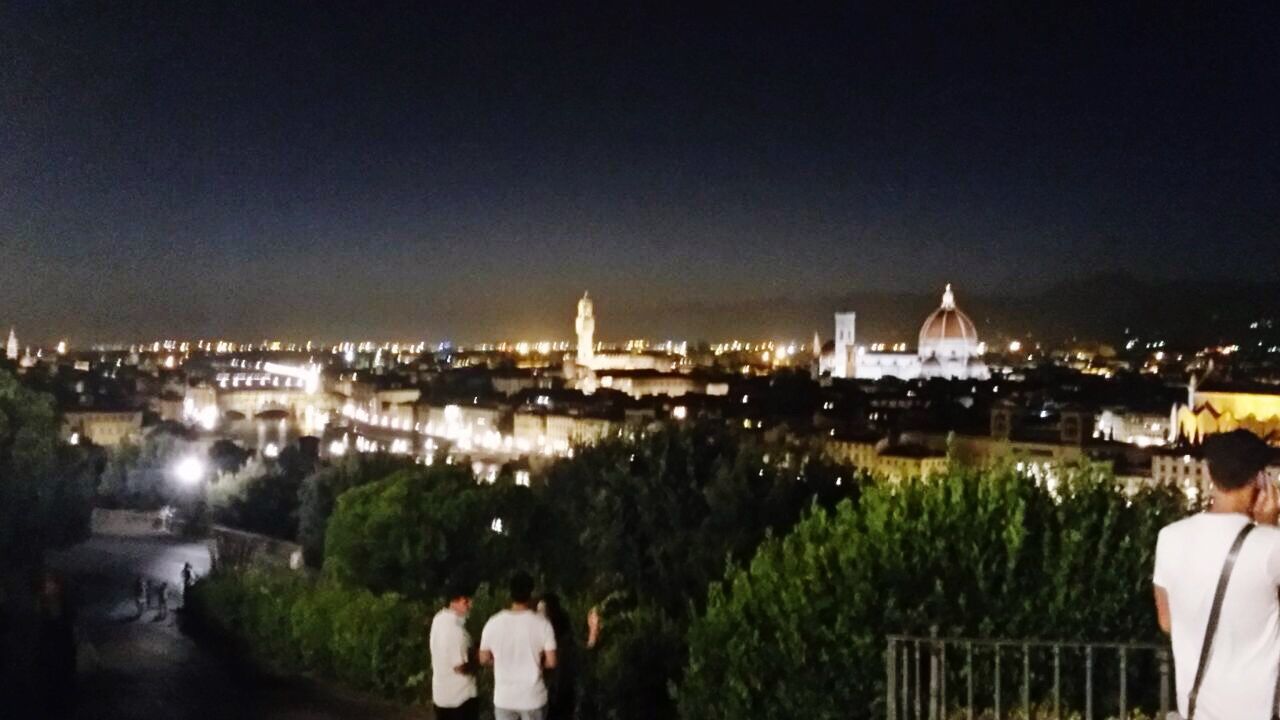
point(948, 348)
point(104, 428)
point(896, 463)
point(11, 347)
point(1223, 407)
point(1136, 428)
point(845, 351)
point(589, 367)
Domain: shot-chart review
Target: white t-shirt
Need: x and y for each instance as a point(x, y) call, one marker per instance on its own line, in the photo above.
point(1240, 677)
point(450, 644)
point(517, 640)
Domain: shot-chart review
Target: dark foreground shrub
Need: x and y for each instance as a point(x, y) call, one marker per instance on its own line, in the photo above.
point(295, 624)
point(800, 632)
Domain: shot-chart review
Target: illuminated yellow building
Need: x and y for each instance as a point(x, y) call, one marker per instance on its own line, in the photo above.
point(879, 458)
point(1222, 408)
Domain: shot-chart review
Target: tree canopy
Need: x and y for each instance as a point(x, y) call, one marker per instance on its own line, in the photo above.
point(46, 486)
point(800, 631)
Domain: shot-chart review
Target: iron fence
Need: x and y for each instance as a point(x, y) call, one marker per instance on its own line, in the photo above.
point(948, 678)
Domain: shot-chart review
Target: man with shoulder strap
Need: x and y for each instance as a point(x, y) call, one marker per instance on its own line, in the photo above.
point(1216, 580)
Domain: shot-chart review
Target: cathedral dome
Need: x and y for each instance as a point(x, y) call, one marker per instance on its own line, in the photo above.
point(947, 326)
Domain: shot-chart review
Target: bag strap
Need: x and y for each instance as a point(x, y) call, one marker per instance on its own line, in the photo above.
point(1275, 700)
point(1214, 612)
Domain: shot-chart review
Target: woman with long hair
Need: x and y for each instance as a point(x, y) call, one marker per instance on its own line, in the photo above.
point(562, 686)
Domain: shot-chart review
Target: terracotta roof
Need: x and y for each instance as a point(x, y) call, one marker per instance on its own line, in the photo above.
point(948, 322)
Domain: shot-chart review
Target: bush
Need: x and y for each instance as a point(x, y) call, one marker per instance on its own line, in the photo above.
point(291, 623)
point(46, 486)
point(320, 490)
point(416, 530)
point(800, 631)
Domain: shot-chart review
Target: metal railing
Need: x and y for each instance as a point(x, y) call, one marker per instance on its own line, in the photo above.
point(945, 678)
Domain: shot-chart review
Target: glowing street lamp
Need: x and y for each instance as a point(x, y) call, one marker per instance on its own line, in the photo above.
point(189, 470)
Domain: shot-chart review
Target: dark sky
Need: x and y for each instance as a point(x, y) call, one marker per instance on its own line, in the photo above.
point(466, 170)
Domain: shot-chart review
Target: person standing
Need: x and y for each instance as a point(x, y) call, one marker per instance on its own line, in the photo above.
point(1236, 678)
point(143, 594)
point(562, 683)
point(453, 682)
point(520, 644)
point(162, 597)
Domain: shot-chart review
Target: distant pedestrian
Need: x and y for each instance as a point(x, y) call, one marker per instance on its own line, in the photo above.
point(453, 669)
point(520, 644)
point(188, 577)
point(163, 593)
point(143, 594)
point(1215, 580)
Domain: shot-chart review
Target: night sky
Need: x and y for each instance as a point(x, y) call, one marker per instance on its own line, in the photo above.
point(466, 170)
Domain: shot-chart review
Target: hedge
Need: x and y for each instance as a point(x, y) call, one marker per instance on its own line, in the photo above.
point(292, 623)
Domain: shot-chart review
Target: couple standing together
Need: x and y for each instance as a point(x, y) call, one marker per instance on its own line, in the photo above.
point(520, 643)
point(1217, 579)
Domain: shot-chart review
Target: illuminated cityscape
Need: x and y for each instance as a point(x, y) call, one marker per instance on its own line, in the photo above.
point(571, 361)
point(522, 402)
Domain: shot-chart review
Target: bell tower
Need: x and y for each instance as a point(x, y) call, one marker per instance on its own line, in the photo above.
point(586, 327)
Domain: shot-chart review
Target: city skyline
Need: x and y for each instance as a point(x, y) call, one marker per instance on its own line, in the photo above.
point(1187, 312)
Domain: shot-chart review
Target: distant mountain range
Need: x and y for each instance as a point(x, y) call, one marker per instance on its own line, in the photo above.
point(1097, 307)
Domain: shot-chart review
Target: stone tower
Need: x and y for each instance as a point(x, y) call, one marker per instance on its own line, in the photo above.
point(586, 327)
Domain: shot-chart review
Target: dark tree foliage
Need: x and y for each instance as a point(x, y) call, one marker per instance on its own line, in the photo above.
point(799, 632)
point(227, 457)
point(644, 525)
point(658, 517)
point(421, 528)
point(269, 504)
point(46, 494)
point(319, 492)
point(46, 486)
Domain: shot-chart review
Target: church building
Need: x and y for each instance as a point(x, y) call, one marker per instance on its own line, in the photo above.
point(948, 348)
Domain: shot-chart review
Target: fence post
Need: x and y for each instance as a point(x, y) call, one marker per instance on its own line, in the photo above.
point(1026, 680)
point(915, 701)
point(942, 679)
point(968, 674)
point(933, 672)
point(1057, 682)
point(891, 680)
point(906, 679)
point(1124, 684)
point(1088, 682)
point(997, 648)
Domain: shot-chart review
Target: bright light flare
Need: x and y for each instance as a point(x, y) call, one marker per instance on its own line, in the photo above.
point(189, 470)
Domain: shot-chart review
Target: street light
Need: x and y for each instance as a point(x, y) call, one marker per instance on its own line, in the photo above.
point(189, 470)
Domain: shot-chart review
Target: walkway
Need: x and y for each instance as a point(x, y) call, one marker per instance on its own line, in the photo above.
point(145, 668)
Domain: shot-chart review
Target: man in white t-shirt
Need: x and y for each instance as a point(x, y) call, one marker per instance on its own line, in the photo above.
point(520, 644)
point(453, 682)
point(1240, 676)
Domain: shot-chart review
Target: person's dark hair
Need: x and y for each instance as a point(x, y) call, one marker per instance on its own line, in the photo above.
point(458, 589)
point(521, 587)
point(559, 619)
point(1235, 458)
